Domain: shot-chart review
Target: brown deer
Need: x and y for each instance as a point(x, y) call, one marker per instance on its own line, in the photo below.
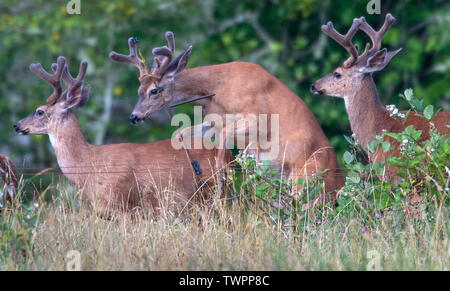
point(116, 178)
point(240, 88)
point(353, 82)
point(10, 177)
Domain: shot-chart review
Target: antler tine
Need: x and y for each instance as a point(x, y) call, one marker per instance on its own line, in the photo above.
point(376, 36)
point(170, 40)
point(163, 56)
point(344, 40)
point(132, 58)
point(67, 77)
point(74, 84)
point(164, 50)
point(84, 95)
point(54, 80)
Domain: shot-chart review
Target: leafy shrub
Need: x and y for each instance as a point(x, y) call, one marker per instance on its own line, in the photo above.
point(422, 169)
point(17, 222)
point(422, 180)
point(420, 186)
point(263, 191)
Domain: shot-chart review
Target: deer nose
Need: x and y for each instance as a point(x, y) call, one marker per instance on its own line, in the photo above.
point(16, 127)
point(134, 119)
point(314, 90)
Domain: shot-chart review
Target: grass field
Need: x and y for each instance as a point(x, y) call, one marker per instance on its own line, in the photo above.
point(223, 236)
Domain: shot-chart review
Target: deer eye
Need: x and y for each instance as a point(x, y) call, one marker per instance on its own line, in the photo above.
point(157, 90)
point(39, 112)
point(336, 75)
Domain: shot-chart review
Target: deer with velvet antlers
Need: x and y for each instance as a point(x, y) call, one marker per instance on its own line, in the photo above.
point(353, 82)
point(117, 178)
point(240, 88)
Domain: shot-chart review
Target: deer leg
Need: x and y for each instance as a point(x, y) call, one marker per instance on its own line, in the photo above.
point(332, 179)
point(220, 156)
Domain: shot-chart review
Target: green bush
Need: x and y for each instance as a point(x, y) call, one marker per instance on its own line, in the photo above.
point(17, 223)
point(423, 170)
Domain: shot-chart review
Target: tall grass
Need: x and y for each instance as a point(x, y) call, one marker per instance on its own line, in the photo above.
point(222, 236)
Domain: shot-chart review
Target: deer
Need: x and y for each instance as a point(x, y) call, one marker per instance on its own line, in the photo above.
point(353, 82)
point(239, 88)
point(122, 179)
point(10, 177)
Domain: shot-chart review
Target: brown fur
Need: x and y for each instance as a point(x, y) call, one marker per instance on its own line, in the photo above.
point(126, 176)
point(116, 178)
point(248, 88)
point(367, 115)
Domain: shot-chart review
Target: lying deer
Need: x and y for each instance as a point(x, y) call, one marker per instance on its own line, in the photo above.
point(353, 82)
point(240, 88)
point(116, 178)
point(10, 177)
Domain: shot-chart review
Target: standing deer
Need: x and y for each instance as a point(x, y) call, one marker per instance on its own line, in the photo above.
point(353, 82)
point(116, 178)
point(10, 177)
point(240, 88)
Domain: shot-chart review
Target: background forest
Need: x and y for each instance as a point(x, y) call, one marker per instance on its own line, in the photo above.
point(282, 36)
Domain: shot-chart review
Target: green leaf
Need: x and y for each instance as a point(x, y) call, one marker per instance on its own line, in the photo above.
point(428, 112)
point(420, 105)
point(354, 177)
point(261, 190)
point(372, 146)
point(348, 158)
point(396, 136)
point(386, 146)
point(409, 94)
point(395, 161)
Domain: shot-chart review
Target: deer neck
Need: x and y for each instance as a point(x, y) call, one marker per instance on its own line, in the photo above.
point(366, 113)
point(198, 81)
point(71, 148)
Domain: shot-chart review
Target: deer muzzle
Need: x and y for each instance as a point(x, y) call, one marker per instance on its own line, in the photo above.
point(19, 130)
point(314, 90)
point(134, 119)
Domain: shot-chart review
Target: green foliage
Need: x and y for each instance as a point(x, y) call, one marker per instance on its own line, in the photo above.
point(17, 223)
point(422, 171)
point(263, 191)
point(416, 105)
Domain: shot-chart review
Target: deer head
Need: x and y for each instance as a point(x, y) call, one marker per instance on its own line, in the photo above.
point(48, 117)
point(156, 84)
point(348, 77)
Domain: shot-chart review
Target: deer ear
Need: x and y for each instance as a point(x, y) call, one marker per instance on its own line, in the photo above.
point(75, 101)
point(181, 65)
point(378, 61)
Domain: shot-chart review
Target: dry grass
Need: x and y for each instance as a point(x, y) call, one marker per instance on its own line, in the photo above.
point(223, 237)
